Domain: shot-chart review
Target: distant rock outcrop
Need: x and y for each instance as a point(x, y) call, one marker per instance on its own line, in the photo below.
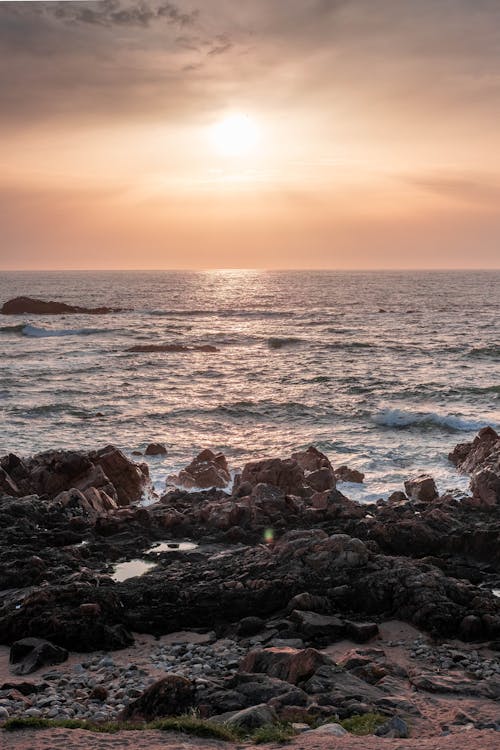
point(32, 306)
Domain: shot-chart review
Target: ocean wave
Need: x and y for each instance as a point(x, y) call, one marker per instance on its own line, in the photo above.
point(352, 345)
point(401, 419)
point(42, 333)
point(490, 352)
point(278, 342)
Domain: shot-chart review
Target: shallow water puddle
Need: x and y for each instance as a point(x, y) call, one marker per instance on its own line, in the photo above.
point(130, 569)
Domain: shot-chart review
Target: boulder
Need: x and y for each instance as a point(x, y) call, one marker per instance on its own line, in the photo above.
point(29, 654)
point(327, 730)
point(155, 449)
point(485, 486)
point(311, 460)
point(321, 480)
point(207, 470)
point(288, 664)
point(421, 488)
point(287, 474)
point(32, 306)
point(470, 456)
point(170, 696)
point(395, 727)
point(128, 478)
point(313, 626)
point(345, 474)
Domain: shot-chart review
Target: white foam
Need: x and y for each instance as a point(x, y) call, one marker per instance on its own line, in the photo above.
point(401, 418)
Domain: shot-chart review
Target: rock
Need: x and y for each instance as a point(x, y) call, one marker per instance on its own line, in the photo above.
point(253, 717)
point(287, 475)
point(170, 696)
point(469, 456)
point(250, 626)
point(155, 449)
point(29, 654)
point(421, 489)
point(395, 727)
point(207, 470)
point(311, 460)
point(4, 714)
point(31, 306)
point(129, 479)
point(288, 664)
point(471, 628)
point(321, 480)
point(99, 693)
point(313, 626)
point(7, 486)
point(345, 474)
point(485, 486)
point(361, 631)
point(333, 730)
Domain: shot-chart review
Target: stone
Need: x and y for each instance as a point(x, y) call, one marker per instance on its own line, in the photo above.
point(253, 717)
point(345, 474)
point(395, 727)
point(333, 730)
point(287, 664)
point(170, 696)
point(29, 654)
point(32, 306)
point(421, 488)
point(311, 459)
point(207, 470)
point(312, 625)
point(361, 631)
point(288, 475)
point(155, 449)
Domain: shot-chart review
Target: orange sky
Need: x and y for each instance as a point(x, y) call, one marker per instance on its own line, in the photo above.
point(379, 144)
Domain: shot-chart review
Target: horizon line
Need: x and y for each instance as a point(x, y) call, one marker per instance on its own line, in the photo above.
point(250, 268)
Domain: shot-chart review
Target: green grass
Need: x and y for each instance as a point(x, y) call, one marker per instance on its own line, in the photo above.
point(196, 727)
point(188, 724)
point(272, 733)
point(363, 724)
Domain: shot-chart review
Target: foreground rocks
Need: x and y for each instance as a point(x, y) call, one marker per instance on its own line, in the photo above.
point(32, 306)
point(285, 568)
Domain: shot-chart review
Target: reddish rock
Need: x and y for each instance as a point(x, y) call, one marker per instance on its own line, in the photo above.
point(129, 479)
point(421, 488)
point(31, 306)
point(155, 449)
point(207, 470)
point(470, 456)
point(7, 486)
point(289, 664)
point(312, 459)
point(321, 480)
point(345, 474)
point(288, 475)
point(90, 609)
point(485, 486)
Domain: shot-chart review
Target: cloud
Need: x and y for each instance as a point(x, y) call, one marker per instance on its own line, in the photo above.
point(114, 12)
point(478, 190)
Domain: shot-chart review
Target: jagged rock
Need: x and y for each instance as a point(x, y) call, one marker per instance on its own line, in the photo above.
point(421, 489)
point(287, 475)
point(313, 626)
point(253, 717)
point(170, 696)
point(311, 460)
point(29, 654)
point(207, 470)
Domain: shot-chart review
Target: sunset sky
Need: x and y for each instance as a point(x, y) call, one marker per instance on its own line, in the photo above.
point(263, 133)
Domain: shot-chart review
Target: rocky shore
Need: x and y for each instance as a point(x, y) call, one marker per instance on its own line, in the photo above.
point(265, 598)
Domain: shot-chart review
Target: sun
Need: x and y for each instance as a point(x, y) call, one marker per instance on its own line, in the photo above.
point(235, 135)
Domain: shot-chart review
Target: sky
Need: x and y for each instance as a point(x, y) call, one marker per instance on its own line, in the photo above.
point(366, 134)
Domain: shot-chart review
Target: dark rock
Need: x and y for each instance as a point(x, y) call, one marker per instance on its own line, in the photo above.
point(345, 474)
point(29, 654)
point(250, 626)
point(313, 626)
point(395, 727)
point(170, 696)
point(155, 449)
point(31, 306)
point(253, 717)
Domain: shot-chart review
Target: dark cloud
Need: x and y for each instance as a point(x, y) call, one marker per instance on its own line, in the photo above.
point(114, 12)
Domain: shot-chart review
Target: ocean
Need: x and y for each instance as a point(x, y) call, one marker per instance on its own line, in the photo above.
point(383, 371)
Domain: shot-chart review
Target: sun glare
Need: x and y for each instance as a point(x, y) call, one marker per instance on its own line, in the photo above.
point(235, 135)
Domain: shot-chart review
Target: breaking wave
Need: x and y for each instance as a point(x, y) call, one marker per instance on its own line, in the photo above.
point(401, 419)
